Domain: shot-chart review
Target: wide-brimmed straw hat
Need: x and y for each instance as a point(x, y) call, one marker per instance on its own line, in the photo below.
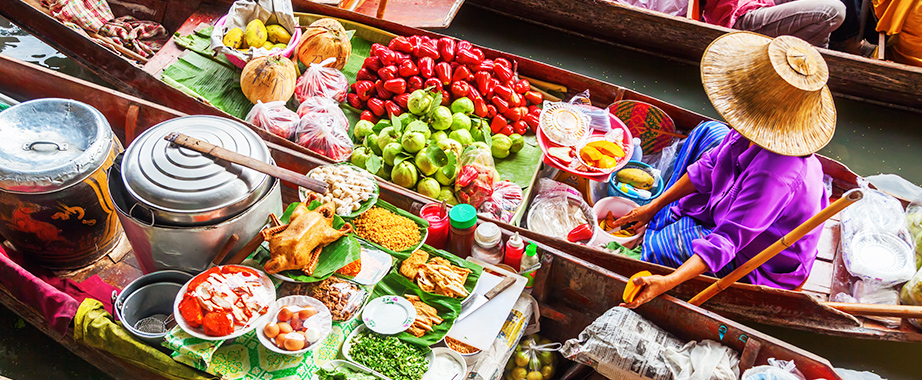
point(772, 91)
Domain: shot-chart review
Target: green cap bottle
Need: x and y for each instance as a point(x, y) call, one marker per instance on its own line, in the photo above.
point(530, 264)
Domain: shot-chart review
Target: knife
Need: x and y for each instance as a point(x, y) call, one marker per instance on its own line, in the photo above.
point(481, 300)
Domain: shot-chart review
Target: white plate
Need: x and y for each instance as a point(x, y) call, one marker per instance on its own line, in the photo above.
point(322, 320)
point(389, 315)
point(347, 348)
point(267, 288)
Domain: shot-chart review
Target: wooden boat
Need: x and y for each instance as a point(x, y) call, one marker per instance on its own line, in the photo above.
point(850, 76)
point(565, 305)
point(794, 309)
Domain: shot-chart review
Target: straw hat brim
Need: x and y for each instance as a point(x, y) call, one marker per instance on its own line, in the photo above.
point(764, 97)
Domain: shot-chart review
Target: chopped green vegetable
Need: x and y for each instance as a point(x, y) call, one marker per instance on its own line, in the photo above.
point(343, 373)
point(390, 356)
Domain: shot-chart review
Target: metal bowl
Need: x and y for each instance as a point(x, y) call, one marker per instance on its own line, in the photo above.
point(129, 315)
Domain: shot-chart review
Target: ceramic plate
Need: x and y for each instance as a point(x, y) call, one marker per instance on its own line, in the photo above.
point(266, 292)
point(389, 315)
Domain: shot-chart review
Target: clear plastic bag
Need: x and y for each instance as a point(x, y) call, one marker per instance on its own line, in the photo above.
point(599, 118)
point(343, 298)
point(319, 80)
point(533, 356)
point(911, 294)
point(775, 370)
point(557, 209)
point(476, 177)
point(875, 240)
point(505, 200)
point(274, 117)
point(324, 134)
point(914, 220)
point(319, 104)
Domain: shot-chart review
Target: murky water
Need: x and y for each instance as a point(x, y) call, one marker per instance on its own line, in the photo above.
point(869, 139)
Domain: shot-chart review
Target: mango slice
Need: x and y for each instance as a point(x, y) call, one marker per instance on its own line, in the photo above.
point(590, 155)
point(631, 290)
point(607, 148)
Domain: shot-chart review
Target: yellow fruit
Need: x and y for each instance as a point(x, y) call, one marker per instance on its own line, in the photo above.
point(607, 148)
point(630, 289)
point(256, 34)
point(268, 45)
point(521, 358)
point(280, 46)
point(635, 177)
point(233, 38)
point(519, 373)
point(278, 34)
point(547, 371)
point(590, 155)
point(534, 375)
point(268, 79)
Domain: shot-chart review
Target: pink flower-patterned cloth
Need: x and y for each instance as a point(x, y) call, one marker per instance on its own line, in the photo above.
point(142, 37)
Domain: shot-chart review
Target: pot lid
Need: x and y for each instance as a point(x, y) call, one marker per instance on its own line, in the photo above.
point(167, 177)
point(50, 144)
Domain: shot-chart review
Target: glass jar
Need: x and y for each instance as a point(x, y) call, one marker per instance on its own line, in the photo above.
point(463, 220)
point(487, 243)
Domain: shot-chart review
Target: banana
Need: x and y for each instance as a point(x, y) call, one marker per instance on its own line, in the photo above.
point(255, 34)
point(233, 38)
point(278, 34)
point(636, 177)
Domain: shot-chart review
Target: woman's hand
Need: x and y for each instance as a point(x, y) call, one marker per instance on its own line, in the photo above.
point(651, 287)
point(640, 216)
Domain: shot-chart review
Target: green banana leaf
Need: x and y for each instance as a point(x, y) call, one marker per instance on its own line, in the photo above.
point(472, 278)
point(448, 308)
point(332, 257)
point(422, 223)
point(520, 167)
point(212, 81)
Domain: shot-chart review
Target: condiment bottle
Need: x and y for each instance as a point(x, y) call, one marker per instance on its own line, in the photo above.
point(529, 264)
point(488, 243)
point(438, 224)
point(463, 220)
point(514, 249)
point(638, 152)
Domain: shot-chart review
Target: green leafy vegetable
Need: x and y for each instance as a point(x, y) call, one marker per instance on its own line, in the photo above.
point(390, 356)
point(343, 373)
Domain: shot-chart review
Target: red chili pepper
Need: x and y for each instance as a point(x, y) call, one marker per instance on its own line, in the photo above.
point(447, 49)
point(363, 89)
point(407, 69)
point(582, 232)
point(522, 86)
point(401, 44)
point(464, 45)
point(414, 83)
point(503, 73)
point(396, 86)
point(533, 97)
point(460, 89)
point(375, 47)
point(479, 54)
point(392, 108)
point(502, 92)
point(514, 114)
point(532, 121)
point(434, 83)
point(467, 57)
point(482, 79)
point(480, 106)
point(520, 127)
point(382, 92)
point(365, 74)
point(367, 115)
point(443, 72)
point(486, 65)
point(354, 101)
point(427, 50)
point(501, 105)
point(376, 106)
point(426, 66)
point(388, 57)
point(502, 62)
point(492, 111)
point(446, 98)
point(402, 100)
point(372, 63)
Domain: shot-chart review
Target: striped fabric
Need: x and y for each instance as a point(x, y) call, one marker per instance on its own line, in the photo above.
point(88, 14)
point(668, 239)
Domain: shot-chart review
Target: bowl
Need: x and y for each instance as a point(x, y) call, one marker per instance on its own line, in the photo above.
point(448, 344)
point(150, 301)
point(267, 288)
point(323, 320)
point(618, 207)
point(347, 346)
point(879, 256)
point(546, 144)
point(616, 189)
point(287, 52)
point(452, 355)
point(628, 149)
point(118, 302)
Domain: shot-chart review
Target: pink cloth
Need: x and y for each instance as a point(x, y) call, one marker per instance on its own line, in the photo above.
point(725, 12)
point(56, 298)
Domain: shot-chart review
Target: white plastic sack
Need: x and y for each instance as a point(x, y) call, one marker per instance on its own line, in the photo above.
point(705, 360)
point(875, 240)
point(848, 374)
point(775, 370)
point(244, 11)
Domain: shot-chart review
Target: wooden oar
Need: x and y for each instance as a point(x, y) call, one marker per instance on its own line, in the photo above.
point(215, 151)
point(900, 311)
point(786, 241)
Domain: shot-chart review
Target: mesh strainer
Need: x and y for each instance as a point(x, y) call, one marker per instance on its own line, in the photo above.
point(156, 324)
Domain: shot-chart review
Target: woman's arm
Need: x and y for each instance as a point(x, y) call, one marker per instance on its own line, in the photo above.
point(653, 286)
point(643, 214)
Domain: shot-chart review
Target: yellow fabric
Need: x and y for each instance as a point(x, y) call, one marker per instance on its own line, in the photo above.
point(94, 327)
point(901, 19)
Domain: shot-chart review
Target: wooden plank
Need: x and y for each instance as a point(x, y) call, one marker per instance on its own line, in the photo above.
point(820, 277)
point(171, 51)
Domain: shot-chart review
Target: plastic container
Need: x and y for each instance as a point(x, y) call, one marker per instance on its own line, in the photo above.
point(618, 189)
point(638, 151)
point(881, 257)
point(488, 246)
point(529, 266)
point(463, 220)
point(438, 224)
point(515, 248)
point(618, 207)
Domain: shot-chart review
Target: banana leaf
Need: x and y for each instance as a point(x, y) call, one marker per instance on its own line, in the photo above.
point(422, 223)
point(520, 167)
point(472, 278)
point(448, 308)
point(211, 80)
point(332, 257)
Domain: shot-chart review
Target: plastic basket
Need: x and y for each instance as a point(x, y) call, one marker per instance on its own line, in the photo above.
point(615, 188)
point(287, 53)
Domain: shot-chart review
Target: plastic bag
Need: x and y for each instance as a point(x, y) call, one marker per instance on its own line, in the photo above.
point(599, 119)
point(848, 374)
point(474, 185)
point(875, 240)
point(911, 294)
point(558, 209)
point(319, 80)
point(775, 370)
point(533, 356)
point(704, 360)
point(319, 104)
point(322, 133)
point(914, 220)
point(505, 200)
point(274, 117)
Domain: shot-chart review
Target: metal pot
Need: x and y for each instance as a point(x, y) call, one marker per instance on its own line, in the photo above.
point(149, 294)
point(172, 185)
point(54, 204)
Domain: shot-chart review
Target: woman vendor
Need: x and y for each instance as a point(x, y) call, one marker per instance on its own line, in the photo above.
point(759, 183)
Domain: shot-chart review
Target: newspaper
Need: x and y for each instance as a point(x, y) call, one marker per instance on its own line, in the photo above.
point(489, 364)
point(622, 345)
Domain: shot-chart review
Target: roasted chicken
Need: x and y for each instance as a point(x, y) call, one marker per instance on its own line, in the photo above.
point(297, 245)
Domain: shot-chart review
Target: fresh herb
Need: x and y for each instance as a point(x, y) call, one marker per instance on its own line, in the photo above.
point(390, 356)
point(343, 373)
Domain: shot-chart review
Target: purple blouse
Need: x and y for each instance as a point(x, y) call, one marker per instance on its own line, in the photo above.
point(751, 197)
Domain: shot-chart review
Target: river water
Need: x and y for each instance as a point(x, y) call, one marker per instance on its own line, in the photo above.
point(869, 139)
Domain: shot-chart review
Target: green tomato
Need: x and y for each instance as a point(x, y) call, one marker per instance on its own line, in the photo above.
point(438, 136)
point(442, 119)
point(387, 136)
point(462, 136)
point(462, 105)
point(418, 102)
point(460, 121)
point(404, 174)
point(362, 128)
point(428, 187)
point(425, 165)
point(390, 152)
point(501, 145)
point(413, 142)
point(518, 142)
point(371, 141)
point(360, 155)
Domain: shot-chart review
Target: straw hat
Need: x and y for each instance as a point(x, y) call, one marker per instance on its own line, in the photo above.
point(772, 91)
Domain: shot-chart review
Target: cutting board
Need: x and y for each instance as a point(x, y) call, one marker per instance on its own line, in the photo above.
point(483, 325)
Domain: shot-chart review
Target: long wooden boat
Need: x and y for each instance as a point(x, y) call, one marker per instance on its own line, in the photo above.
point(794, 309)
point(851, 76)
point(564, 315)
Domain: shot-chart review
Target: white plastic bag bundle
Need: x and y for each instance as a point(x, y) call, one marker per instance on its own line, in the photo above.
point(705, 360)
point(875, 240)
point(775, 370)
point(244, 11)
